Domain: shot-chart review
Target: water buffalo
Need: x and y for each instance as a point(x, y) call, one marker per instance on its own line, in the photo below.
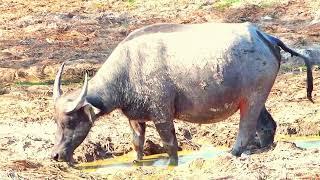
point(199, 73)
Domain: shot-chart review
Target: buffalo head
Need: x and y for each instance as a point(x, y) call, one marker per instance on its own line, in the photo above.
point(73, 117)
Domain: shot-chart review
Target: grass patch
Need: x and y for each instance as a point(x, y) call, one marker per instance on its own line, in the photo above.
point(292, 68)
point(131, 4)
point(224, 4)
point(26, 83)
point(46, 83)
point(119, 6)
point(268, 3)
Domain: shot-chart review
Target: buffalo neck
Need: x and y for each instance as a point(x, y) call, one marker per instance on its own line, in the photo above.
point(105, 89)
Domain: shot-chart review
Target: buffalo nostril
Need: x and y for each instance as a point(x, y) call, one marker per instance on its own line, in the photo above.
point(55, 156)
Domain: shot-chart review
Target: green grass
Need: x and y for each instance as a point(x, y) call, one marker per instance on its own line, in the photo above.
point(46, 83)
point(224, 4)
point(131, 4)
point(290, 68)
point(26, 83)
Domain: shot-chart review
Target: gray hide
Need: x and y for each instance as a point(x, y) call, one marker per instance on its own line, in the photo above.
point(201, 73)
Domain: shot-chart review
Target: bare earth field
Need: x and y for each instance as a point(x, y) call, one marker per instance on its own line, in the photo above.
point(36, 36)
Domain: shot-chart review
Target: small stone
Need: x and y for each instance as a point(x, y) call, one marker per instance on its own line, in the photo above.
point(266, 18)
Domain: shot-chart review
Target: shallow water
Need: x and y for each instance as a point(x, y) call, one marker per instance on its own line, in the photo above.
point(185, 157)
point(157, 160)
point(306, 142)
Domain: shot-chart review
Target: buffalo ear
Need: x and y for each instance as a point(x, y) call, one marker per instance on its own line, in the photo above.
point(91, 111)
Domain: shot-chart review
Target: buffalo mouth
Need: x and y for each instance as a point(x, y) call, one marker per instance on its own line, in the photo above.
point(63, 156)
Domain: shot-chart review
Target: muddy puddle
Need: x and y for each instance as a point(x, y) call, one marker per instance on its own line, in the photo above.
point(185, 157)
point(305, 142)
point(157, 160)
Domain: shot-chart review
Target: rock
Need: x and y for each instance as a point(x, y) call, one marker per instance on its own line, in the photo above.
point(266, 18)
point(316, 18)
point(285, 146)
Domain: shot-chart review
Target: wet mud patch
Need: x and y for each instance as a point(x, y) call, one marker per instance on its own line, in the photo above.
point(93, 151)
point(151, 148)
point(155, 160)
point(251, 13)
point(193, 163)
point(304, 142)
point(300, 129)
point(23, 165)
point(103, 149)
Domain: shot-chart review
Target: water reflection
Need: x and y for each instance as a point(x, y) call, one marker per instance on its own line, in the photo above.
point(158, 160)
point(308, 144)
point(107, 166)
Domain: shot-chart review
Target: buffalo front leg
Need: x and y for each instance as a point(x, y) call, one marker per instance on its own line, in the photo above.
point(266, 128)
point(168, 136)
point(138, 131)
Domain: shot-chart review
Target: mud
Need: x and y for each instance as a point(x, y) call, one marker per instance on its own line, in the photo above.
point(187, 158)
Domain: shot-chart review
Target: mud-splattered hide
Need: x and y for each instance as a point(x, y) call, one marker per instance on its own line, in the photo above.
point(74, 118)
point(200, 73)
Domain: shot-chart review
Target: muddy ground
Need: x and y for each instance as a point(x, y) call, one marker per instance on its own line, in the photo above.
point(36, 36)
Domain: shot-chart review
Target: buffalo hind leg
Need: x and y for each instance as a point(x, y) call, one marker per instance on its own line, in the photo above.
point(162, 114)
point(248, 122)
point(138, 131)
point(266, 128)
point(168, 136)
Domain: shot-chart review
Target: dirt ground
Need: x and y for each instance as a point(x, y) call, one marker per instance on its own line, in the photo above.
point(36, 36)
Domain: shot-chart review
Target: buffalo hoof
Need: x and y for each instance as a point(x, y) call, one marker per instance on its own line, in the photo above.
point(266, 128)
point(173, 162)
point(137, 162)
point(236, 152)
